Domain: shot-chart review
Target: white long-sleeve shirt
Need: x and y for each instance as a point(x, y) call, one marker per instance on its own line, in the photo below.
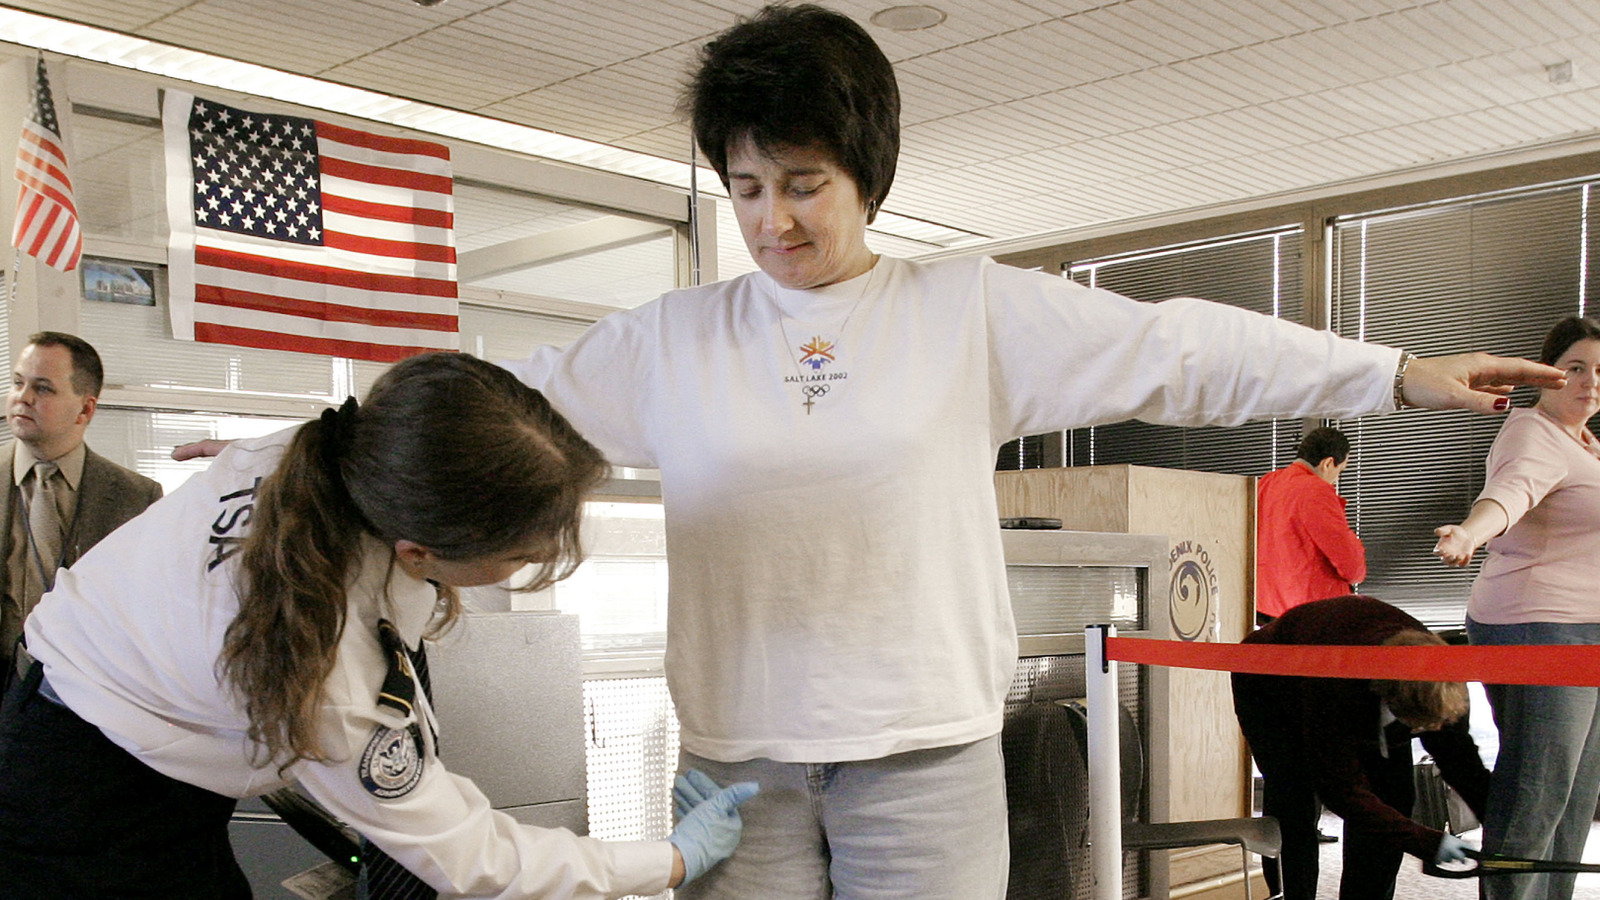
point(836, 579)
point(130, 639)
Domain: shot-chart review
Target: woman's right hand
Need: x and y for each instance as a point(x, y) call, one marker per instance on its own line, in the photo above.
point(1475, 381)
point(1455, 546)
point(1451, 849)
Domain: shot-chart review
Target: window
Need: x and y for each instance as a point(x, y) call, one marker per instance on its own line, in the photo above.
point(619, 592)
point(521, 245)
point(534, 269)
point(142, 439)
point(1490, 273)
point(1261, 273)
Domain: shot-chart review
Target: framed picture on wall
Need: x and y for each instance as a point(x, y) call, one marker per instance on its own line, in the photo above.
point(122, 281)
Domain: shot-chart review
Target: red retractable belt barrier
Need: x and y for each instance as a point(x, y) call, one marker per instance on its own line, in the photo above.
point(1564, 664)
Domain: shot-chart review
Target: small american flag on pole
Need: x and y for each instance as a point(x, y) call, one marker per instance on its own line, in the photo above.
point(294, 234)
point(47, 218)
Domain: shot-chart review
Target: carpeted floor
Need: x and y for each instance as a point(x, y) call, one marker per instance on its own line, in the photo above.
point(1413, 885)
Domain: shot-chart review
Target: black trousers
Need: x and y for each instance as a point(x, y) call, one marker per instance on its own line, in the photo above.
point(1289, 795)
point(82, 818)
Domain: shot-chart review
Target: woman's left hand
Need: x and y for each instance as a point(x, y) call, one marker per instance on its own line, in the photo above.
point(1475, 381)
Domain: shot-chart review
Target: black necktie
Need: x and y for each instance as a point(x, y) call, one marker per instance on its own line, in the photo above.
point(419, 661)
point(381, 877)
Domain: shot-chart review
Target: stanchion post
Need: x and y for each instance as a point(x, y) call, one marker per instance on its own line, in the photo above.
point(1105, 766)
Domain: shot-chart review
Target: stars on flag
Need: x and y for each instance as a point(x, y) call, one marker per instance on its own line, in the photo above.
point(256, 174)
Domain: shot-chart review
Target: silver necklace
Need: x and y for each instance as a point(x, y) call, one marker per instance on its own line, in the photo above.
point(819, 352)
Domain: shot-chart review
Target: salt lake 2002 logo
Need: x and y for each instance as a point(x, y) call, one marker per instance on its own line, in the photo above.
point(816, 354)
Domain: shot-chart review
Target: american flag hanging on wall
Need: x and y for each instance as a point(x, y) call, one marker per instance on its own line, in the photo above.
point(294, 234)
point(47, 217)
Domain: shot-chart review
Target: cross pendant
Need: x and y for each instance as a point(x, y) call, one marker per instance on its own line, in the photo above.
point(810, 402)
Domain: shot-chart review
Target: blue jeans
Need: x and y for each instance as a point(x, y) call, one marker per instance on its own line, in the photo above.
point(1546, 780)
point(924, 825)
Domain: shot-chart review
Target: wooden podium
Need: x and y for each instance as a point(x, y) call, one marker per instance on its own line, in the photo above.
point(1209, 521)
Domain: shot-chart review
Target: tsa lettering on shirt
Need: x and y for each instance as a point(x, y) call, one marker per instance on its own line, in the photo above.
point(228, 530)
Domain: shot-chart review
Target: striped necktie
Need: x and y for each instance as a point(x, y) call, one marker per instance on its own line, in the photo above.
point(44, 531)
point(381, 877)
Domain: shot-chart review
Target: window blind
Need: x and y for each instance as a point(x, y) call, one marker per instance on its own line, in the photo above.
point(1490, 273)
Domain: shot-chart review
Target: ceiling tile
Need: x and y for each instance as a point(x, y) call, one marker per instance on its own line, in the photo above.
point(1020, 116)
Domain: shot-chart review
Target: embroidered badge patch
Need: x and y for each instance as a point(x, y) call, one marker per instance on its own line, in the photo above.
point(392, 763)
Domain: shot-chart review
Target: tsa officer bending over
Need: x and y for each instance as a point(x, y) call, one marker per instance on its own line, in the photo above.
point(237, 637)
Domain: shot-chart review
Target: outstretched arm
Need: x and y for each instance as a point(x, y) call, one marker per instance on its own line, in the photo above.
point(1457, 543)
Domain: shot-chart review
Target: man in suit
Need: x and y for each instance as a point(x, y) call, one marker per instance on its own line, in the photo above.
point(63, 497)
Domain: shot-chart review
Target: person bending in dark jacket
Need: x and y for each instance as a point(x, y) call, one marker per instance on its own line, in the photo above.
point(1348, 741)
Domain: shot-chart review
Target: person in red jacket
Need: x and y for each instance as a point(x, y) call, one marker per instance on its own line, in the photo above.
point(1305, 549)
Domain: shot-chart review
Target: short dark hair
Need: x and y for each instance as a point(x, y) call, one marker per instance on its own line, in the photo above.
point(800, 76)
point(1564, 334)
point(1425, 705)
point(1321, 443)
point(88, 376)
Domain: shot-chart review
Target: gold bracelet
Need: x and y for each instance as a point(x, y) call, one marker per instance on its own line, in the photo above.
point(1400, 379)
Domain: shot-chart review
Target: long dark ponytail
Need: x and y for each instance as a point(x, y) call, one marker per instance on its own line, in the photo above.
point(450, 452)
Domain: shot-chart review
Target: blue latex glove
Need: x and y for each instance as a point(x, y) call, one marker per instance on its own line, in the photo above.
point(691, 789)
point(711, 826)
point(1451, 849)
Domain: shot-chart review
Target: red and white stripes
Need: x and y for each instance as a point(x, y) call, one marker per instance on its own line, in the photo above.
point(47, 225)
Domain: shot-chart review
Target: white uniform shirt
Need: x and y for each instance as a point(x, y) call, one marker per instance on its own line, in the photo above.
point(837, 585)
point(130, 639)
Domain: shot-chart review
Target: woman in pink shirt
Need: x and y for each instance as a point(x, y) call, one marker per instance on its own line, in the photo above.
point(1539, 512)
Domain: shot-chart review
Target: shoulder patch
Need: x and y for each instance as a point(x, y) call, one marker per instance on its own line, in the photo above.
point(392, 763)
